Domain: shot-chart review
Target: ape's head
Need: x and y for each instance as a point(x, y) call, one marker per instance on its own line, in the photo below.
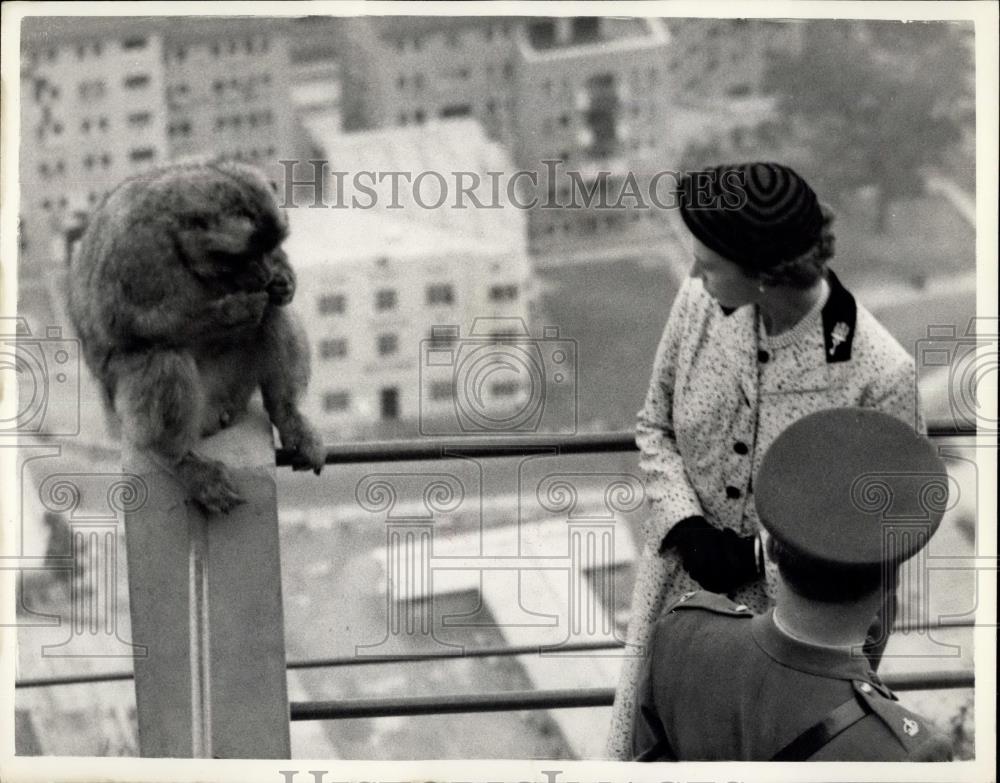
point(229, 226)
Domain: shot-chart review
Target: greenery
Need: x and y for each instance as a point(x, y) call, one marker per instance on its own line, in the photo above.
point(876, 104)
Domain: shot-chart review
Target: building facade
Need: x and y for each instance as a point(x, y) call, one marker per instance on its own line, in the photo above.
point(103, 99)
point(398, 294)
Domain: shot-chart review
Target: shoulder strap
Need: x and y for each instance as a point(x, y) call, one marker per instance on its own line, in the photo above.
point(810, 741)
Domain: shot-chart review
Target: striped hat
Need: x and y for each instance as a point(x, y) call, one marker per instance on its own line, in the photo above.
point(754, 214)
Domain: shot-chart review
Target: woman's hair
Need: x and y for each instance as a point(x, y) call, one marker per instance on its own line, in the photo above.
point(804, 270)
point(819, 580)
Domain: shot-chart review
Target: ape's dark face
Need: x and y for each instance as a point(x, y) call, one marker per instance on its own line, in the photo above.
point(237, 245)
point(257, 270)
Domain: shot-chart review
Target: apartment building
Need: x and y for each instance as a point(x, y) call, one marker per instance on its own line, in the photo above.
point(385, 289)
point(447, 68)
point(102, 99)
point(594, 94)
point(726, 58)
point(589, 91)
point(92, 114)
point(600, 93)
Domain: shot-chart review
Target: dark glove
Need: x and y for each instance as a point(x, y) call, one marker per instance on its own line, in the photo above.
point(718, 560)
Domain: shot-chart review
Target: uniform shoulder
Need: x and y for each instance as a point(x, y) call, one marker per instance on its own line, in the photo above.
point(918, 739)
point(709, 602)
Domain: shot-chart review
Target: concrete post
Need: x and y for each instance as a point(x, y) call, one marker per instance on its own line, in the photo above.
point(205, 600)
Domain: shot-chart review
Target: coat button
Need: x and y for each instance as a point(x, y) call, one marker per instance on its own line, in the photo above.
point(732, 493)
point(741, 448)
point(865, 687)
point(763, 357)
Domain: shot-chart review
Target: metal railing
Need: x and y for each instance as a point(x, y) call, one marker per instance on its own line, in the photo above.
point(507, 446)
point(509, 651)
point(506, 701)
point(429, 449)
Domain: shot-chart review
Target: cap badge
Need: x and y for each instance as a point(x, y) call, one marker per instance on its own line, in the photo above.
point(910, 727)
point(839, 334)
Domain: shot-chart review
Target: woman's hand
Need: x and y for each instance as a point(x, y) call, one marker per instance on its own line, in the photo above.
point(718, 560)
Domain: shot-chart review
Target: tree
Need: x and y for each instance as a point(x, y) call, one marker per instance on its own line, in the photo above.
point(876, 103)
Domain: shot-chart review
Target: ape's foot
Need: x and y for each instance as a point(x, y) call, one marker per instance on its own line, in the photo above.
point(209, 484)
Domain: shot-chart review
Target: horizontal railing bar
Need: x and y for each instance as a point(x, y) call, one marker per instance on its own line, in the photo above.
point(930, 681)
point(436, 448)
point(441, 705)
point(547, 700)
point(511, 445)
point(475, 652)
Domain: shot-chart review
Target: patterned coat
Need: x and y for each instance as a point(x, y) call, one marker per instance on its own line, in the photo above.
point(722, 390)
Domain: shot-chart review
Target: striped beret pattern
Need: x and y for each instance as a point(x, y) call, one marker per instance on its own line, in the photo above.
point(754, 214)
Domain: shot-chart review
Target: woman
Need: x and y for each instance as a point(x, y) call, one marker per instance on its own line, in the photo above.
point(760, 335)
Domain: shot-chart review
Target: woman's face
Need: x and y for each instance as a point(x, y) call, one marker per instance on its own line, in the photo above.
point(724, 280)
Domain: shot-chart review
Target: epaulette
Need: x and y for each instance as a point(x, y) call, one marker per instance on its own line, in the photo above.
point(914, 733)
point(711, 602)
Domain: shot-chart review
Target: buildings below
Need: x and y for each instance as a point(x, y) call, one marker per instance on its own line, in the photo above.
point(104, 98)
point(389, 292)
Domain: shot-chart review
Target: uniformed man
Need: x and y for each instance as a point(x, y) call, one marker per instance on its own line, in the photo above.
point(793, 684)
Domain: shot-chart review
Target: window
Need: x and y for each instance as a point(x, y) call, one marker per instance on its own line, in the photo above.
point(441, 390)
point(136, 82)
point(503, 293)
point(142, 154)
point(139, 119)
point(336, 401)
point(586, 29)
point(440, 294)
point(332, 304)
point(385, 299)
point(389, 403)
point(131, 44)
point(335, 348)
point(388, 344)
point(457, 110)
